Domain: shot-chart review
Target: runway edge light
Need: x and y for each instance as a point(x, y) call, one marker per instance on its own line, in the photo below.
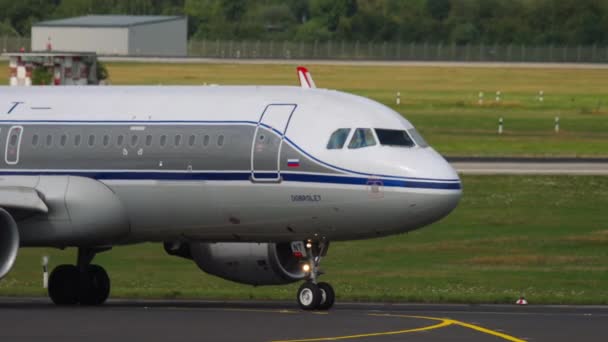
point(45, 271)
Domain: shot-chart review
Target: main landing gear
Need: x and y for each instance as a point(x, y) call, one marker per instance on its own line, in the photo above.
point(313, 295)
point(83, 283)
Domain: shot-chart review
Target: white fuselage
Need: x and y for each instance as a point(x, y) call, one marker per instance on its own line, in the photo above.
point(213, 164)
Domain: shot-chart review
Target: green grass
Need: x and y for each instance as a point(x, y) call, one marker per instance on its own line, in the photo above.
point(442, 101)
point(546, 237)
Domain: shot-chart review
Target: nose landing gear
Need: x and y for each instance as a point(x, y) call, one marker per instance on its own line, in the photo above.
point(313, 295)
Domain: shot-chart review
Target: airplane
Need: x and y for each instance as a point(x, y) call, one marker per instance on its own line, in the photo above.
point(252, 183)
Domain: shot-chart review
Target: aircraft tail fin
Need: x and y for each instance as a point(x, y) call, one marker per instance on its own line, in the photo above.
point(306, 80)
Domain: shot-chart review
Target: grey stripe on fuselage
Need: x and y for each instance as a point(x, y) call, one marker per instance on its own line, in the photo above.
point(139, 146)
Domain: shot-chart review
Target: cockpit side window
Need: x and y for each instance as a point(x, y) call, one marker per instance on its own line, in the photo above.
point(363, 137)
point(338, 138)
point(394, 137)
point(417, 138)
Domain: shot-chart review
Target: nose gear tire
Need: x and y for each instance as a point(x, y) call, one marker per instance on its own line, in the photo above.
point(328, 296)
point(309, 296)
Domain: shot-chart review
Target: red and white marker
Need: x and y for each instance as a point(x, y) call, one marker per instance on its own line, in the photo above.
point(305, 78)
point(522, 301)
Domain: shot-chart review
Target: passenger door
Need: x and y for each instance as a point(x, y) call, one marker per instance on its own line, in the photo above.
point(267, 142)
point(13, 144)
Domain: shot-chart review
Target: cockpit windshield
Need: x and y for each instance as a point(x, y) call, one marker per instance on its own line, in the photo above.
point(417, 138)
point(394, 137)
point(363, 137)
point(338, 138)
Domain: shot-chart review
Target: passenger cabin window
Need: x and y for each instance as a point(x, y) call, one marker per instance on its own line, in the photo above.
point(394, 137)
point(191, 140)
point(91, 140)
point(134, 139)
point(206, 140)
point(178, 141)
point(49, 140)
point(77, 139)
point(163, 140)
point(220, 140)
point(63, 140)
point(338, 138)
point(363, 137)
point(120, 140)
point(106, 140)
point(35, 139)
point(148, 140)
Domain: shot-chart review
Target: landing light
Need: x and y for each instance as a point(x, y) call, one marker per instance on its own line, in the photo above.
point(306, 267)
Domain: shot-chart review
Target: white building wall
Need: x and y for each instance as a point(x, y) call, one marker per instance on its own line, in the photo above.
point(168, 38)
point(102, 40)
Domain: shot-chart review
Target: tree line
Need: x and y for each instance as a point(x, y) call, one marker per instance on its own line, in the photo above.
point(556, 22)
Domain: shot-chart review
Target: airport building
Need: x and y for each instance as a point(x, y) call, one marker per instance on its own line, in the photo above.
point(117, 35)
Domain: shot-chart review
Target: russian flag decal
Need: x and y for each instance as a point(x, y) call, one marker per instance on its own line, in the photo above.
point(293, 162)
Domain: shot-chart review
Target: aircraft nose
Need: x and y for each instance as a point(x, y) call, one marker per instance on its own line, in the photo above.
point(446, 190)
point(447, 200)
point(440, 168)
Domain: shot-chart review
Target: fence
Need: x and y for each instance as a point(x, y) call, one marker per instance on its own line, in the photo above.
point(14, 44)
point(388, 51)
point(391, 51)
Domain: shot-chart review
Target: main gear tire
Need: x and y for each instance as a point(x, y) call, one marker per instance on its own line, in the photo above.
point(94, 286)
point(63, 287)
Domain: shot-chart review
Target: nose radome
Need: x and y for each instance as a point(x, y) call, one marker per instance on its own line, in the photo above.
point(450, 172)
point(443, 170)
point(451, 198)
point(446, 201)
point(428, 164)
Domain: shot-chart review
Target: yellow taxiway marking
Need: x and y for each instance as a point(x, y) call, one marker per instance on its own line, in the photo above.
point(459, 323)
point(488, 331)
point(386, 333)
point(443, 322)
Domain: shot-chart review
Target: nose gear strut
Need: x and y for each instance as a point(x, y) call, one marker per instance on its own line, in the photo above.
point(313, 295)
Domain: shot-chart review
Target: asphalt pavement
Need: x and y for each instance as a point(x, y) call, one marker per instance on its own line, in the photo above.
point(27, 319)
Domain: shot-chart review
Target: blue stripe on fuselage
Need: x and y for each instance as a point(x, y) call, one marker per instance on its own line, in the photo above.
point(313, 178)
point(233, 122)
point(240, 176)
